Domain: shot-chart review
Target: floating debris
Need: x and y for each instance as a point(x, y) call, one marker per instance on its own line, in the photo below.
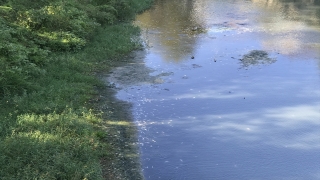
point(196, 66)
point(256, 57)
point(195, 30)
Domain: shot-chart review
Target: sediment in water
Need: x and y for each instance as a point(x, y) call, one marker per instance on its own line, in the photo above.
point(123, 160)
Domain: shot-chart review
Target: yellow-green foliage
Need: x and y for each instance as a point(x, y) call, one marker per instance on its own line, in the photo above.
point(31, 29)
point(20, 59)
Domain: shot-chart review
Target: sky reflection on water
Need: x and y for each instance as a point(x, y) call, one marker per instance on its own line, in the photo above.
point(215, 117)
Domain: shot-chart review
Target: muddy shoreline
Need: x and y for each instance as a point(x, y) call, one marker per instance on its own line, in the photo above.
point(123, 162)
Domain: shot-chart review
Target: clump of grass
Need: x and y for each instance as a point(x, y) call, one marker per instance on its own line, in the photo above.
point(53, 146)
point(110, 45)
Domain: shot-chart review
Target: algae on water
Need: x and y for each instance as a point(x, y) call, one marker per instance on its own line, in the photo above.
point(256, 57)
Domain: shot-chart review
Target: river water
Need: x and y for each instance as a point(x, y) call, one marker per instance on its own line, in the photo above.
point(230, 90)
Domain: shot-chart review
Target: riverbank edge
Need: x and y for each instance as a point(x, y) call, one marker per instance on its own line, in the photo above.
point(123, 159)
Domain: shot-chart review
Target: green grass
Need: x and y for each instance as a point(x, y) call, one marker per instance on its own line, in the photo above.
point(47, 130)
point(109, 44)
point(53, 146)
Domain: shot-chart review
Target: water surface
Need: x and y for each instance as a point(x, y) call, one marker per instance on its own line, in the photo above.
point(234, 93)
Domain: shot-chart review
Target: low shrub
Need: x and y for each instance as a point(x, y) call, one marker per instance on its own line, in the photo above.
point(31, 30)
point(21, 60)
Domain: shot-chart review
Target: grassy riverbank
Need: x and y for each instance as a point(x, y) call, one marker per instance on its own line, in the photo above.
point(50, 53)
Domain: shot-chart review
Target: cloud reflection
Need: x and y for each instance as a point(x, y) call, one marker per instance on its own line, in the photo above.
point(214, 94)
point(295, 115)
point(289, 127)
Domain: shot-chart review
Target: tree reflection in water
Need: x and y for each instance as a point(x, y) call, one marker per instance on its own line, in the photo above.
point(171, 27)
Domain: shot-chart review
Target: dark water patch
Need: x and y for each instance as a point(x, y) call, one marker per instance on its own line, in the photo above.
point(256, 57)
